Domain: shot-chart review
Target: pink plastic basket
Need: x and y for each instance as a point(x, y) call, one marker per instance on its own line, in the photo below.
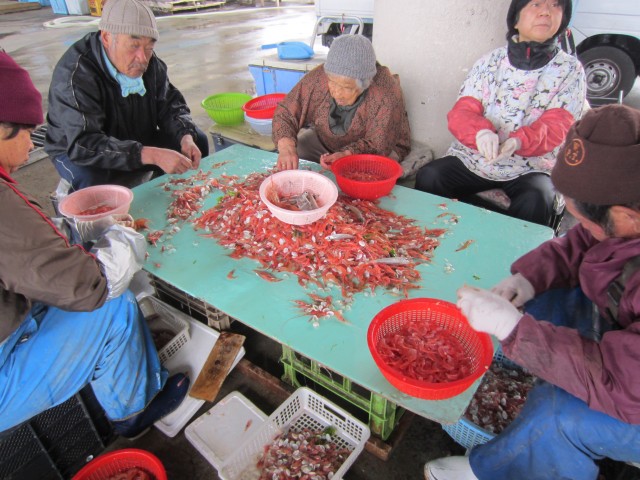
point(96, 202)
point(294, 182)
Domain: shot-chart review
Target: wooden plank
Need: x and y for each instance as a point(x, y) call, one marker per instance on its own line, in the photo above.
point(181, 5)
point(12, 7)
point(217, 366)
point(243, 134)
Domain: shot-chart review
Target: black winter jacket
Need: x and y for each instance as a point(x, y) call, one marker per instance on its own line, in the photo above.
point(90, 121)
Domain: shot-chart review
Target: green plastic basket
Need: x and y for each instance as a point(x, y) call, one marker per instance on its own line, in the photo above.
point(226, 108)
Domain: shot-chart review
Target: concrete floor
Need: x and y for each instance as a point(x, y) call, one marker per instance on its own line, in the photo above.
point(208, 53)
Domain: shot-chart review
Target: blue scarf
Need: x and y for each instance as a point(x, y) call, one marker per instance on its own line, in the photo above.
point(128, 85)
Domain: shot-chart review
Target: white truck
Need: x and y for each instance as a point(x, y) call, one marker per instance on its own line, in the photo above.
point(606, 34)
point(607, 38)
point(335, 17)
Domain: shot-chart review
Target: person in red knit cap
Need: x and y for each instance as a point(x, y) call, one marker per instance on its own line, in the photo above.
point(66, 316)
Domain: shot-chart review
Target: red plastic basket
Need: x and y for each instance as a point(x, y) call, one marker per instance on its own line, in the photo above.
point(438, 313)
point(263, 106)
point(382, 171)
point(118, 461)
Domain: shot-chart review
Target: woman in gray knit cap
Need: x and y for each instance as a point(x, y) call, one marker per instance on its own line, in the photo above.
point(349, 105)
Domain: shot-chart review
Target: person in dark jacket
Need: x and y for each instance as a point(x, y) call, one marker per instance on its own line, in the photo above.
point(512, 115)
point(580, 333)
point(66, 317)
point(114, 117)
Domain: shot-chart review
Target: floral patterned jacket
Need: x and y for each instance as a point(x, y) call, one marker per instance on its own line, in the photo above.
point(380, 125)
point(536, 106)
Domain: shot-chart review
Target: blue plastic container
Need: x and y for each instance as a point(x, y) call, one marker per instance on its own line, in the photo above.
point(59, 7)
point(291, 50)
point(274, 80)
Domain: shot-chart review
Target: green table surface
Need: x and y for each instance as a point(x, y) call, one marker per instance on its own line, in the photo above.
point(199, 266)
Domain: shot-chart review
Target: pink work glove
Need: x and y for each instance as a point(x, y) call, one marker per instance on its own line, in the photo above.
point(517, 289)
point(488, 312)
point(487, 143)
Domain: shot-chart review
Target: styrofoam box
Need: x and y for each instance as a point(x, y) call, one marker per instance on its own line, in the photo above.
point(190, 358)
point(303, 409)
point(221, 430)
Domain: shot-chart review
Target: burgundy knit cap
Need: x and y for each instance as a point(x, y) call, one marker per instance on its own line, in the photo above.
point(600, 160)
point(20, 101)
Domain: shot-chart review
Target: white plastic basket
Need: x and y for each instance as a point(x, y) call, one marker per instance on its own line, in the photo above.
point(303, 409)
point(161, 316)
point(261, 126)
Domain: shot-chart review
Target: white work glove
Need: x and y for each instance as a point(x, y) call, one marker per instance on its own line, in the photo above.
point(516, 289)
point(488, 312)
point(508, 148)
point(487, 143)
point(91, 230)
point(122, 252)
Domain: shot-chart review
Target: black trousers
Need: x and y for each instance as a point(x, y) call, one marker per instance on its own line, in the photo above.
point(532, 195)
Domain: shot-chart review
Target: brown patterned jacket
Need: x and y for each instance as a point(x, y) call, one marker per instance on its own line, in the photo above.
point(379, 126)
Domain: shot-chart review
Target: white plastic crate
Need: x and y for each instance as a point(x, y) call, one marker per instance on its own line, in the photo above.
point(303, 409)
point(161, 316)
point(220, 431)
point(190, 359)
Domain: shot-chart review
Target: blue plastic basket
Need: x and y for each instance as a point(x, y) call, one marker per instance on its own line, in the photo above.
point(467, 433)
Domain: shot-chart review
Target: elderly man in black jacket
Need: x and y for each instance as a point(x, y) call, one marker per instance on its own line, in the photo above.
point(114, 117)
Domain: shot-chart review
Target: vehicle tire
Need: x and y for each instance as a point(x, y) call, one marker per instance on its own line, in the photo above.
point(609, 71)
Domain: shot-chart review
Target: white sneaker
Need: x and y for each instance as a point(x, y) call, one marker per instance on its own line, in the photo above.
point(449, 468)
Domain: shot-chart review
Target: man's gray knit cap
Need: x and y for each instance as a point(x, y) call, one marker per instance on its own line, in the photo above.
point(351, 56)
point(129, 17)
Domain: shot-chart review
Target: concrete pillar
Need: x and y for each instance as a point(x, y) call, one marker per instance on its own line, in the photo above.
point(432, 44)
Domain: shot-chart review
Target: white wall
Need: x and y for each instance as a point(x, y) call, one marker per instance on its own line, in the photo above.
point(432, 44)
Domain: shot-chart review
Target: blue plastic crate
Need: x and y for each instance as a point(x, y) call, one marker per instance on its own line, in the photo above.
point(467, 433)
point(59, 7)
